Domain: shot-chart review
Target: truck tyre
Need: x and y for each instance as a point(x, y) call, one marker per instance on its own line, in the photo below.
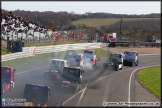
point(2, 89)
point(95, 63)
point(137, 63)
point(132, 64)
point(116, 68)
point(124, 64)
point(121, 68)
point(11, 86)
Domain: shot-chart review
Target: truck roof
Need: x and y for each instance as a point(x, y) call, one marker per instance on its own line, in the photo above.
point(74, 67)
point(28, 84)
point(7, 67)
point(117, 53)
point(59, 59)
point(130, 51)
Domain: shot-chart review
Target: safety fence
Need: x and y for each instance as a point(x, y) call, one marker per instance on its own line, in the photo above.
point(32, 51)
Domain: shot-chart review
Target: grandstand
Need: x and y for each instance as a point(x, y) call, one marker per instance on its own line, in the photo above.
point(15, 27)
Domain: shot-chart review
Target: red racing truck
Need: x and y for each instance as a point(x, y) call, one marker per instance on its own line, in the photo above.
point(7, 78)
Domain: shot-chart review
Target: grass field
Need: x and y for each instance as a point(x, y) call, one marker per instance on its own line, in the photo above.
point(150, 78)
point(105, 21)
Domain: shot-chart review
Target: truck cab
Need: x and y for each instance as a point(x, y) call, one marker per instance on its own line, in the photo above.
point(58, 65)
point(115, 60)
point(90, 54)
point(74, 59)
point(130, 58)
point(36, 95)
point(7, 78)
point(73, 74)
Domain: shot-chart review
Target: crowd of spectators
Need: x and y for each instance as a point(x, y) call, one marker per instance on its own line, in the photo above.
point(11, 22)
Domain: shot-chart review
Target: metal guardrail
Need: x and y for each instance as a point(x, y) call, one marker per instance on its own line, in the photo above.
point(32, 51)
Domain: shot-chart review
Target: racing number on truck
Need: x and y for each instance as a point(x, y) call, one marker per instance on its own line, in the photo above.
point(7, 86)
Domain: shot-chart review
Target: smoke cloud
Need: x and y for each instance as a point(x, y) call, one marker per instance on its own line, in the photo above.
point(87, 65)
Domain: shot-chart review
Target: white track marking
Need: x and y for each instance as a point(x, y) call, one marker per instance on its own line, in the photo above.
point(85, 88)
point(131, 78)
point(72, 97)
point(30, 70)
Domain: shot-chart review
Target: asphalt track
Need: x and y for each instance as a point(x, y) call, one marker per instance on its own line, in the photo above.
point(98, 85)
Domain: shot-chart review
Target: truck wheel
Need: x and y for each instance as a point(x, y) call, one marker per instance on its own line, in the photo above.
point(95, 63)
point(137, 63)
point(123, 63)
point(116, 68)
point(121, 68)
point(11, 86)
point(2, 89)
point(132, 64)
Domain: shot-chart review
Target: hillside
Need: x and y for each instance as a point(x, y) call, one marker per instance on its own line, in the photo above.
point(139, 26)
point(105, 21)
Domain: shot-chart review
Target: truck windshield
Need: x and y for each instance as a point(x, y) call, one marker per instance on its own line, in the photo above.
point(36, 94)
point(5, 74)
point(75, 56)
point(89, 54)
point(57, 65)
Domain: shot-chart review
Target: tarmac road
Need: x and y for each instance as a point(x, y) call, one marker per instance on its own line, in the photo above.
point(37, 77)
point(113, 88)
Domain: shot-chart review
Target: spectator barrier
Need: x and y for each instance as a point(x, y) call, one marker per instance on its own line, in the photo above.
point(32, 51)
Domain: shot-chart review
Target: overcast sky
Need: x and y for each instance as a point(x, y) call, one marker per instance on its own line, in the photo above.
point(79, 7)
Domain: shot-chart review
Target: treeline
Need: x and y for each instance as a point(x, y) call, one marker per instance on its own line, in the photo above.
point(136, 27)
point(62, 20)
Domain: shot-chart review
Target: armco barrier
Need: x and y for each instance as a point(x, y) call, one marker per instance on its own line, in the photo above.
point(31, 51)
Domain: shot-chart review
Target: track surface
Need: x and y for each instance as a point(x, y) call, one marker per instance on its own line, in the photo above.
point(113, 88)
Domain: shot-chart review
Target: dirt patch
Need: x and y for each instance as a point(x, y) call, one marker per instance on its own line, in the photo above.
point(144, 50)
point(3, 43)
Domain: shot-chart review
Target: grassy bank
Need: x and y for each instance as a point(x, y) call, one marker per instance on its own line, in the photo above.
point(105, 21)
point(150, 78)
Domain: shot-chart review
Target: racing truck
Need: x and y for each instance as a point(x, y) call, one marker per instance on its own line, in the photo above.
point(36, 95)
point(90, 54)
point(56, 69)
point(115, 61)
point(74, 59)
point(7, 78)
point(71, 78)
point(130, 58)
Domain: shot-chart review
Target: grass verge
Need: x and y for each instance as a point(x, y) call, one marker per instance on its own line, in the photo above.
point(150, 78)
point(27, 63)
point(4, 49)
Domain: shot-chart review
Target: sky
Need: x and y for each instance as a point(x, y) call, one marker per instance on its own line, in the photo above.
point(81, 7)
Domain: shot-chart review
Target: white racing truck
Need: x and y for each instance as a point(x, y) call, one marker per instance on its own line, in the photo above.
point(130, 58)
point(115, 61)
